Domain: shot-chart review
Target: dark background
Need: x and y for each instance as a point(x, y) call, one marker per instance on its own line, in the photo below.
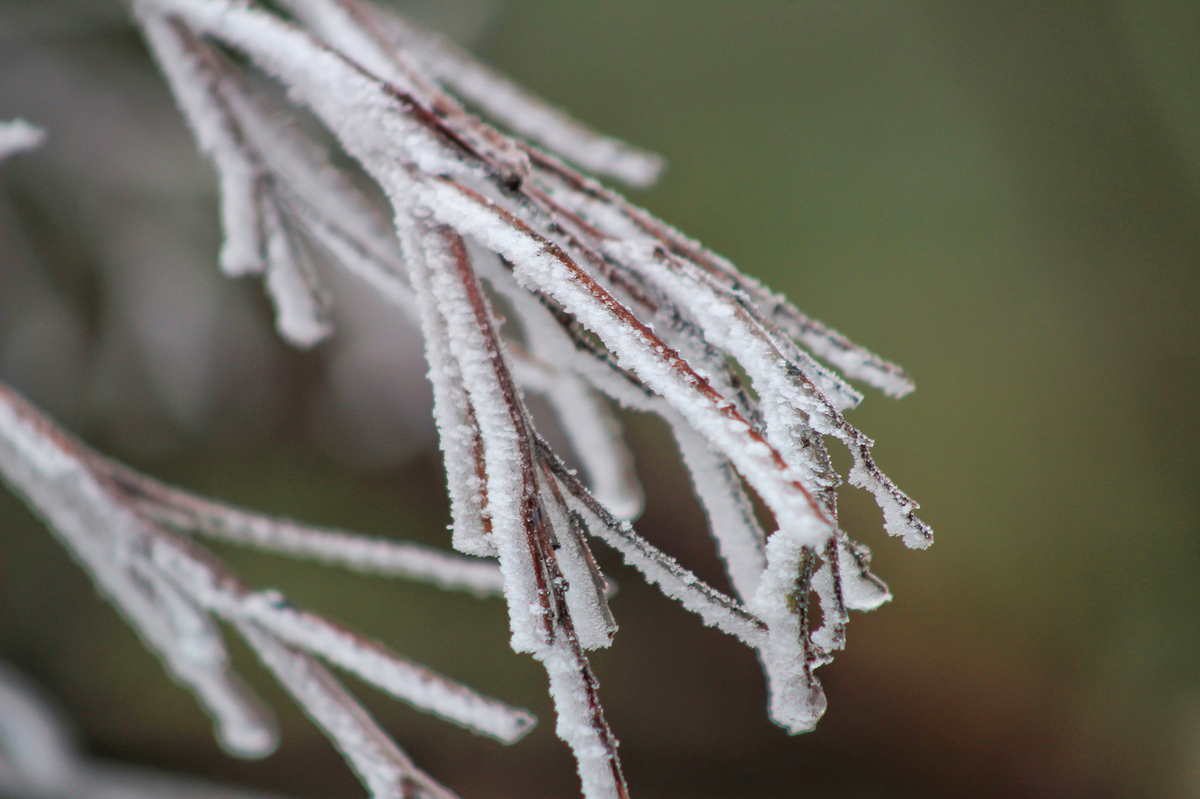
point(1002, 197)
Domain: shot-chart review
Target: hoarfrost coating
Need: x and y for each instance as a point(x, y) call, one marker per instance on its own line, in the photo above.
point(611, 307)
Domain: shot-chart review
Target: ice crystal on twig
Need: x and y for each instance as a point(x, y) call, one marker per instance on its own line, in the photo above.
point(609, 305)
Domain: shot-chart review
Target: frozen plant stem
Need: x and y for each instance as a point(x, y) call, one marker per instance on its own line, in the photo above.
point(610, 305)
point(173, 591)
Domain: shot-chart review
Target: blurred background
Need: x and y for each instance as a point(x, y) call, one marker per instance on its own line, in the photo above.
point(1002, 197)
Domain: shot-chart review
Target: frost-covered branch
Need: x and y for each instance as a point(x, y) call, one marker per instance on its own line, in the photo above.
point(190, 513)
point(611, 307)
point(112, 521)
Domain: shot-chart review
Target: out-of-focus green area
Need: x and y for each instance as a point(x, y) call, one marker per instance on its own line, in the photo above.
point(1003, 198)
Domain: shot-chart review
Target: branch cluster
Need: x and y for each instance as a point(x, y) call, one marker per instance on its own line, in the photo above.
point(607, 304)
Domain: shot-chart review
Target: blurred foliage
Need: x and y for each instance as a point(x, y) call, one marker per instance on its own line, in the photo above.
point(1005, 199)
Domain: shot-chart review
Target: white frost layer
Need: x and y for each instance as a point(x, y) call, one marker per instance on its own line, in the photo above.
point(532, 118)
point(35, 748)
point(539, 599)
point(797, 701)
point(498, 97)
point(548, 366)
point(502, 433)
point(381, 765)
point(792, 404)
point(861, 590)
point(458, 426)
point(170, 589)
point(591, 428)
point(714, 608)
point(540, 268)
point(403, 679)
point(197, 90)
point(300, 306)
point(580, 722)
point(622, 221)
point(546, 222)
point(371, 555)
point(585, 589)
point(370, 661)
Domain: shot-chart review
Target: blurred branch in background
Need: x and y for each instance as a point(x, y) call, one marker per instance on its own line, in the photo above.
point(40, 760)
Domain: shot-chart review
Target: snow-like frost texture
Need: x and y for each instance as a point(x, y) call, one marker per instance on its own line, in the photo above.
point(386, 771)
point(409, 682)
point(797, 701)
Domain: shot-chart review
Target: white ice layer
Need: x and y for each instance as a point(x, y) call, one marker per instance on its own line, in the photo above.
point(538, 268)
point(495, 95)
point(35, 748)
point(539, 598)
point(387, 772)
point(861, 590)
point(300, 307)
point(501, 433)
point(592, 430)
point(207, 590)
point(797, 701)
point(197, 89)
point(585, 586)
point(713, 607)
point(527, 115)
point(622, 221)
point(731, 519)
point(458, 427)
point(579, 720)
point(545, 366)
point(370, 661)
point(407, 681)
point(188, 512)
point(790, 405)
